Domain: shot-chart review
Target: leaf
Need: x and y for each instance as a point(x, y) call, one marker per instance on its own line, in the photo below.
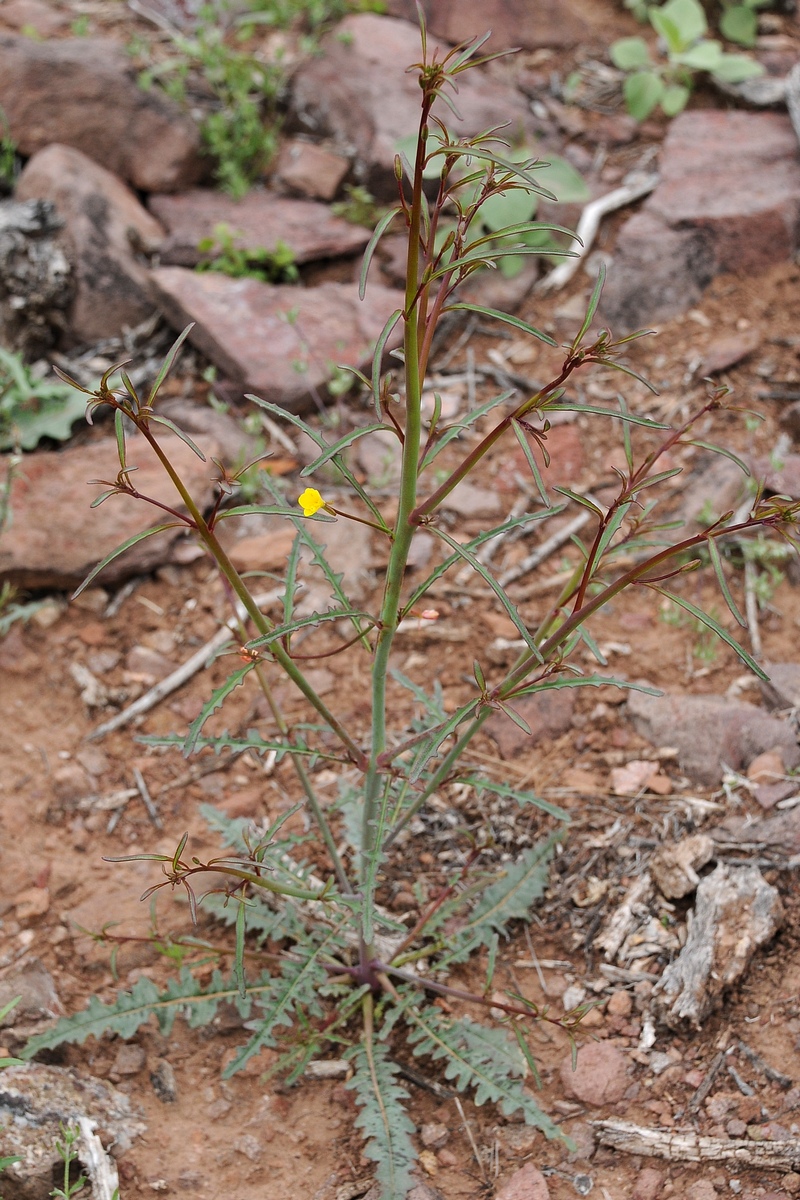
point(642, 90)
point(168, 362)
point(713, 625)
point(739, 24)
point(716, 562)
point(215, 701)
point(313, 619)
point(629, 53)
point(382, 1118)
point(503, 789)
point(560, 177)
point(477, 566)
point(507, 318)
point(298, 986)
point(377, 357)
point(372, 245)
point(675, 98)
point(735, 68)
point(479, 1057)
point(591, 308)
point(519, 434)
point(596, 410)
point(184, 996)
point(132, 541)
point(40, 416)
point(723, 450)
point(513, 207)
point(342, 444)
point(705, 56)
point(512, 896)
point(179, 433)
point(681, 22)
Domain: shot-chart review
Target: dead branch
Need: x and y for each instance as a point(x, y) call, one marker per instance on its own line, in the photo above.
point(687, 1146)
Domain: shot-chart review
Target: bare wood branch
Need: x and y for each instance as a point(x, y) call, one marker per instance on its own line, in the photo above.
point(687, 1146)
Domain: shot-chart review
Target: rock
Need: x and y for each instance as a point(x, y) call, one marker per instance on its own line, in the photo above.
point(674, 867)
point(781, 476)
point(782, 690)
point(36, 284)
point(708, 215)
point(38, 998)
point(736, 911)
point(260, 220)
point(380, 458)
point(56, 483)
point(725, 352)
point(81, 92)
point(104, 223)
point(265, 551)
point(717, 486)
point(703, 1189)
point(633, 778)
point(35, 1101)
point(148, 665)
point(528, 1183)
point(32, 15)
point(548, 714)
point(235, 444)
point(620, 1004)
point(711, 732)
point(307, 330)
point(600, 1076)
point(470, 501)
point(164, 1083)
point(433, 1136)
point(130, 1060)
point(529, 24)
point(312, 170)
point(354, 94)
point(781, 832)
point(31, 902)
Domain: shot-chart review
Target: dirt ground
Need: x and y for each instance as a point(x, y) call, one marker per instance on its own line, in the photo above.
point(251, 1137)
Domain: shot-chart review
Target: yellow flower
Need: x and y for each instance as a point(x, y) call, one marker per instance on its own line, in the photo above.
point(311, 502)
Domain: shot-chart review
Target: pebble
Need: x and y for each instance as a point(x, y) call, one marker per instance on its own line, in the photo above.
point(619, 1004)
point(702, 1190)
point(791, 1183)
point(528, 1183)
point(736, 1128)
point(130, 1060)
point(648, 1184)
point(434, 1136)
point(600, 1076)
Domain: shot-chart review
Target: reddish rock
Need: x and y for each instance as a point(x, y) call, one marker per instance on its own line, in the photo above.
point(82, 92)
point(260, 220)
point(648, 1184)
point(312, 170)
point(725, 352)
point(782, 477)
point(31, 557)
point(357, 94)
point(280, 342)
point(711, 732)
point(711, 213)
point(529, 24)
point(32, 15)
point(528, 1183)
point(548, 714)
point(600, 1076)
point(104, 220)
point(783, 688)
point(620, 1004)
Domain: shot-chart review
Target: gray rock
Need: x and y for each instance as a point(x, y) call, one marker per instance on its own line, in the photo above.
point(711, 732)
point(711, 213)
point(356, 93)
point(783, 688)
point(104, 225)
point(34, 988)
point(307, 330)
point(529, 24)
point(35, 1100)
point(736, 911)
point(31, 557)
point(81, 92)
point(36, 285)
point(259, 220)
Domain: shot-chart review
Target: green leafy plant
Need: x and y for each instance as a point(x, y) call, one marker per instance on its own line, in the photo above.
point(223, 254)
point(738, 20)
point(32, 408)
point(682, 27)
point(359, 206)
point(70, 1134)
point(9, 163)
point(318, 960)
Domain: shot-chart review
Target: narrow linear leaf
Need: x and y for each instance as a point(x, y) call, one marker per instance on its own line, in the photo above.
point(179, 433)
point(521, 797)
point(723, 450)
point(119, 432)
point(525, 446)
point(131, 541)
point(315, 618)
point(507, 318)
point(372, 246)
point(342, 444)
point(598, 411)
point(713, 625)
point(716, 562)
point(377, 357)
point(168, 363)
point(591, 309)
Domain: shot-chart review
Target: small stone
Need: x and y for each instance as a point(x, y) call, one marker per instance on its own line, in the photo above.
point(633, 778)
point(34, 988)
point(727, 351)
point(702, 1190)
point(648, 1184)
point(164, 1083)
point(130, 1060)
point(434, 1136)
point(468, 500)
point(264, 552)
point(791, 1183)
point(600, 1076)
point(70, 783)
point(766, 768)
point(428, 1162)
point(548, 714)
point(143, 661)
point(528, 1183)
point(32, 902)
point(573, 996)
point(249, 1146)
point(748, 1109)
point(620, 1004)
point(735, 1127)
point(447, 1158)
